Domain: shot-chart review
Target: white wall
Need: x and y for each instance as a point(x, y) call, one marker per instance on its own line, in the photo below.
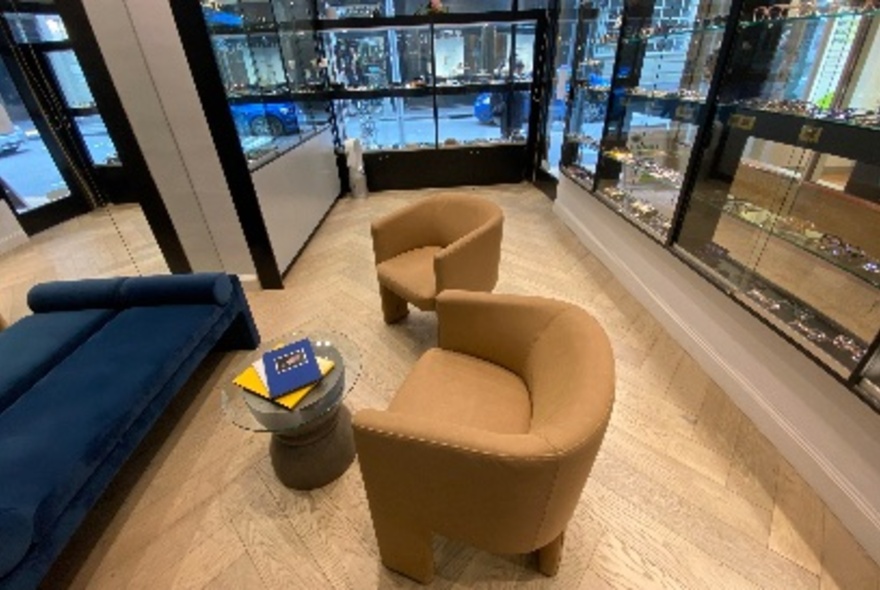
point(295, 191)
point(11, 234)
point(823, 430)
point(140, 44)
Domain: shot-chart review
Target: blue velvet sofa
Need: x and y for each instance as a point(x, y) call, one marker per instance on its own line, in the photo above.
point(82, 380)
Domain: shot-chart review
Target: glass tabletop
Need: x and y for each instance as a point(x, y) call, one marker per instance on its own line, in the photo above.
point(257, 414)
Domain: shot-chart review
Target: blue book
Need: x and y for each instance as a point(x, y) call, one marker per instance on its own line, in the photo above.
point(290, 367)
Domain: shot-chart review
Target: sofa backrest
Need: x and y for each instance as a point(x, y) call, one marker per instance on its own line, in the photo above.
point(120, 293)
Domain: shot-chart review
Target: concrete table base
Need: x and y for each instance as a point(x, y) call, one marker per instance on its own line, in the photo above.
point(315, 455)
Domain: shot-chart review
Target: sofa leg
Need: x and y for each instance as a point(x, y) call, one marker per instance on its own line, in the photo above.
point(394, 307)
point(550, 555)
point(404, 550)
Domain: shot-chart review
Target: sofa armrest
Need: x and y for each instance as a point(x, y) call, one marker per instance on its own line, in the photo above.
point(472, 261)
point(435, 475)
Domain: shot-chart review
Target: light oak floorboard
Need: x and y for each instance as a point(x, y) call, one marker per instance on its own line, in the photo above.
point(686, 492)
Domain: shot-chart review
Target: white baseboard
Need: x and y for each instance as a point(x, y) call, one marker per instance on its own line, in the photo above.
point(821, 428)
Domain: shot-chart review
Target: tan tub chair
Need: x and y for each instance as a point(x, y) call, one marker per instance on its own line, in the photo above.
point(492, 435)
point(440, 242)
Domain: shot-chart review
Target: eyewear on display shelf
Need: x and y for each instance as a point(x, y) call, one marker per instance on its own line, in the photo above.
point(812, 334)
point(781, 11)
point(763, 300)
point(849, 345)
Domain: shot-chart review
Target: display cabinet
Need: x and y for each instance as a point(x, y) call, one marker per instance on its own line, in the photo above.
point(433, 81)
point(638, 100)
point(271, 72)
point(740, 136)
point(785, 207)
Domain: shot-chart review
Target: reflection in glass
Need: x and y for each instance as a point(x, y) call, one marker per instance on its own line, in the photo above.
point(99, 145)
point(28, 174)
point(71, 79)
point(388, 123)
point(301, 61)
point(473, 54)
point(472, 119)
point(379, 58)
point(34, 28)
point(250, 65)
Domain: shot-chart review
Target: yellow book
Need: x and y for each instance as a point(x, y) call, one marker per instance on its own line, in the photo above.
point(250, 380)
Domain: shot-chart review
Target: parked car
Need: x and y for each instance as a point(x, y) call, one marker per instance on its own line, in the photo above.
point(273, 119)
point(12, 141)
point(483, 108)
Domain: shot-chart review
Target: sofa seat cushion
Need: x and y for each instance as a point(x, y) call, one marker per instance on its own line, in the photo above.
point(452, 387)
point(32, 347)
point(411, 275)
point(55, 436)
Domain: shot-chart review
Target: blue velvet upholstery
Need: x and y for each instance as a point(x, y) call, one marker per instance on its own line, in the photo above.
point(75, 295)
point(31, 347)
point(65, 438)
point(159, 290)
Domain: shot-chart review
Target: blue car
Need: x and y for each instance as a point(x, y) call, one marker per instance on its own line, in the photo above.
point(273, 119)
point(483, 109)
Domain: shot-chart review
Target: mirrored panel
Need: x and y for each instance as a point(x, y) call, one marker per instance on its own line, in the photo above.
point(786, 204)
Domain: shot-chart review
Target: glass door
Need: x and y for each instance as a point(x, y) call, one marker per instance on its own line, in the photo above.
point(66, 151)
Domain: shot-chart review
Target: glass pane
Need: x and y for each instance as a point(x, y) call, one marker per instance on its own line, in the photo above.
point(97, 139)
point(388, 123)
point(333, 9)
point(473, 54)
point(33, 28)
point(265, 129)
point(379, 58)
point(666, 60)
point(420, 6)
point(27, 172)
point(593, 64)
point(478, 118)
point(301, 61)
point(71, 79)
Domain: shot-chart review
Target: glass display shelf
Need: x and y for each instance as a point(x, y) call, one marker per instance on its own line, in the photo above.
point(775, 17)
point(833, 344)
point(661, 31)
point(803, 234)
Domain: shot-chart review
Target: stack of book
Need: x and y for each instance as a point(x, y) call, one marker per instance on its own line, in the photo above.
point(286, 374)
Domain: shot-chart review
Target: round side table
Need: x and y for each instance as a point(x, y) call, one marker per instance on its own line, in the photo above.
point(312, 444)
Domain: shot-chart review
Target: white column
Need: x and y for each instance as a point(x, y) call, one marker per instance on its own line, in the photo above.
point(142, 49)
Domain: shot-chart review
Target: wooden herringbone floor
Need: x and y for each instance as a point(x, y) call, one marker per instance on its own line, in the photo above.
point(685, 493)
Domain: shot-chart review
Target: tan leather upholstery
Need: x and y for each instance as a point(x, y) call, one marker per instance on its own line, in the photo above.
point(492, 435)
point(439, 242)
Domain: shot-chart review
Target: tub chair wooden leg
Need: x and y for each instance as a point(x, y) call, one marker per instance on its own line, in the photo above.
point(405, 550)
point(394, 307)
point(550, 555)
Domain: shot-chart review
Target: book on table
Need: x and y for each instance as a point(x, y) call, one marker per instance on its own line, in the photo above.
point(286, 374)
